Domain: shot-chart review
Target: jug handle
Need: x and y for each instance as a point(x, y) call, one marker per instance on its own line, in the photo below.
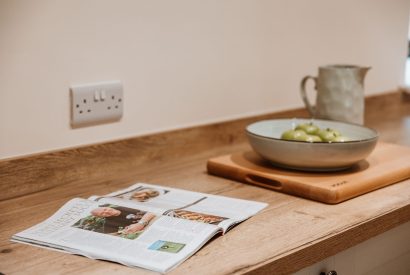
point(310, 107)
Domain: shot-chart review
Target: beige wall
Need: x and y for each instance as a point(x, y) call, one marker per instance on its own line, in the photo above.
point(182, 62)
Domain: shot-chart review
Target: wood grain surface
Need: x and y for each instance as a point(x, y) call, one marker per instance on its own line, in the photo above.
point(118, 160)
point(290, 234)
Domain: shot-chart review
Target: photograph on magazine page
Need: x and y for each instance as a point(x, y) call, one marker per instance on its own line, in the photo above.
point(195, 216)
point(142, 193)
point(115, 220)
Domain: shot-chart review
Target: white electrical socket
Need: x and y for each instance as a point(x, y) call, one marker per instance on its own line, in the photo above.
point(96, 103)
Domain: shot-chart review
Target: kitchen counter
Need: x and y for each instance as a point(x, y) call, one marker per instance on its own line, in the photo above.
point(288, 235)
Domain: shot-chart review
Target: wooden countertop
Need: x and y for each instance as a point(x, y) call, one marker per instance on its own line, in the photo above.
point(291, 233)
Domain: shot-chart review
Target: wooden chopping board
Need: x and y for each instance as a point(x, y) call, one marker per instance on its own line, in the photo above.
point(387, 164)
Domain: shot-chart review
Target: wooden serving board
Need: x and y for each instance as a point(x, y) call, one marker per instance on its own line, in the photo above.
point(387, 164)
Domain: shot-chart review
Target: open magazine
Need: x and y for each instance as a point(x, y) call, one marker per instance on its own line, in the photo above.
point(148, 226)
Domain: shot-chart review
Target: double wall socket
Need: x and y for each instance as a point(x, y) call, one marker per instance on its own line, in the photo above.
point(96, 103)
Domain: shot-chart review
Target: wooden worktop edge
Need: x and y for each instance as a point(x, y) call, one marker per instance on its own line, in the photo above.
point(108, 161)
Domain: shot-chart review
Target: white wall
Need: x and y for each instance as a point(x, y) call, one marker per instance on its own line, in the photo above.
point(182, 62)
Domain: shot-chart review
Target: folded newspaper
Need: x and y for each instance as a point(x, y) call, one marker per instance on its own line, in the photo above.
point(147, 226)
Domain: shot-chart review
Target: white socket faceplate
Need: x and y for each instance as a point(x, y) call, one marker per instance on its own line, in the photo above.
point(96, 103)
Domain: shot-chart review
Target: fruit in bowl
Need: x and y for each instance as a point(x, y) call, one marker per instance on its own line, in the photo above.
point(311, 133)
point(309, 128)
point(295, 144)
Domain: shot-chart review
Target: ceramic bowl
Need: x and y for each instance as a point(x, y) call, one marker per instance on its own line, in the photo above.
point(265, 138)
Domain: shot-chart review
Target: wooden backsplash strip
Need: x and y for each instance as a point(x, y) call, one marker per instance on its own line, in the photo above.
point(121, 159)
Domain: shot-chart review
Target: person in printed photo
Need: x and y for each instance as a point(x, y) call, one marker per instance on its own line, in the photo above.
point(139, 226)
point(142, 194)
point(120, 221)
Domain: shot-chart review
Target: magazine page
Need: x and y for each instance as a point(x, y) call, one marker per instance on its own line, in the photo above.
point(206, 208)
point(140, 237)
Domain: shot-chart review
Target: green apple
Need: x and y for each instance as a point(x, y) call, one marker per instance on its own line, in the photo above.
point(309, 128)
point(337, 133)
point(300, 135)
point(313, 138)
point(288, 135)
point(328, 134)
point(294, 135)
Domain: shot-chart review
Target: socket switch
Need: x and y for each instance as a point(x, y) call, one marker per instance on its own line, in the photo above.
point(96, 103)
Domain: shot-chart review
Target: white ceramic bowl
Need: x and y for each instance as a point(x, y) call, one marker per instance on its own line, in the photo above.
point(264, 137)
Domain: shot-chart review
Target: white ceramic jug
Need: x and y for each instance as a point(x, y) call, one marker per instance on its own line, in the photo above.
point(340, 93)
